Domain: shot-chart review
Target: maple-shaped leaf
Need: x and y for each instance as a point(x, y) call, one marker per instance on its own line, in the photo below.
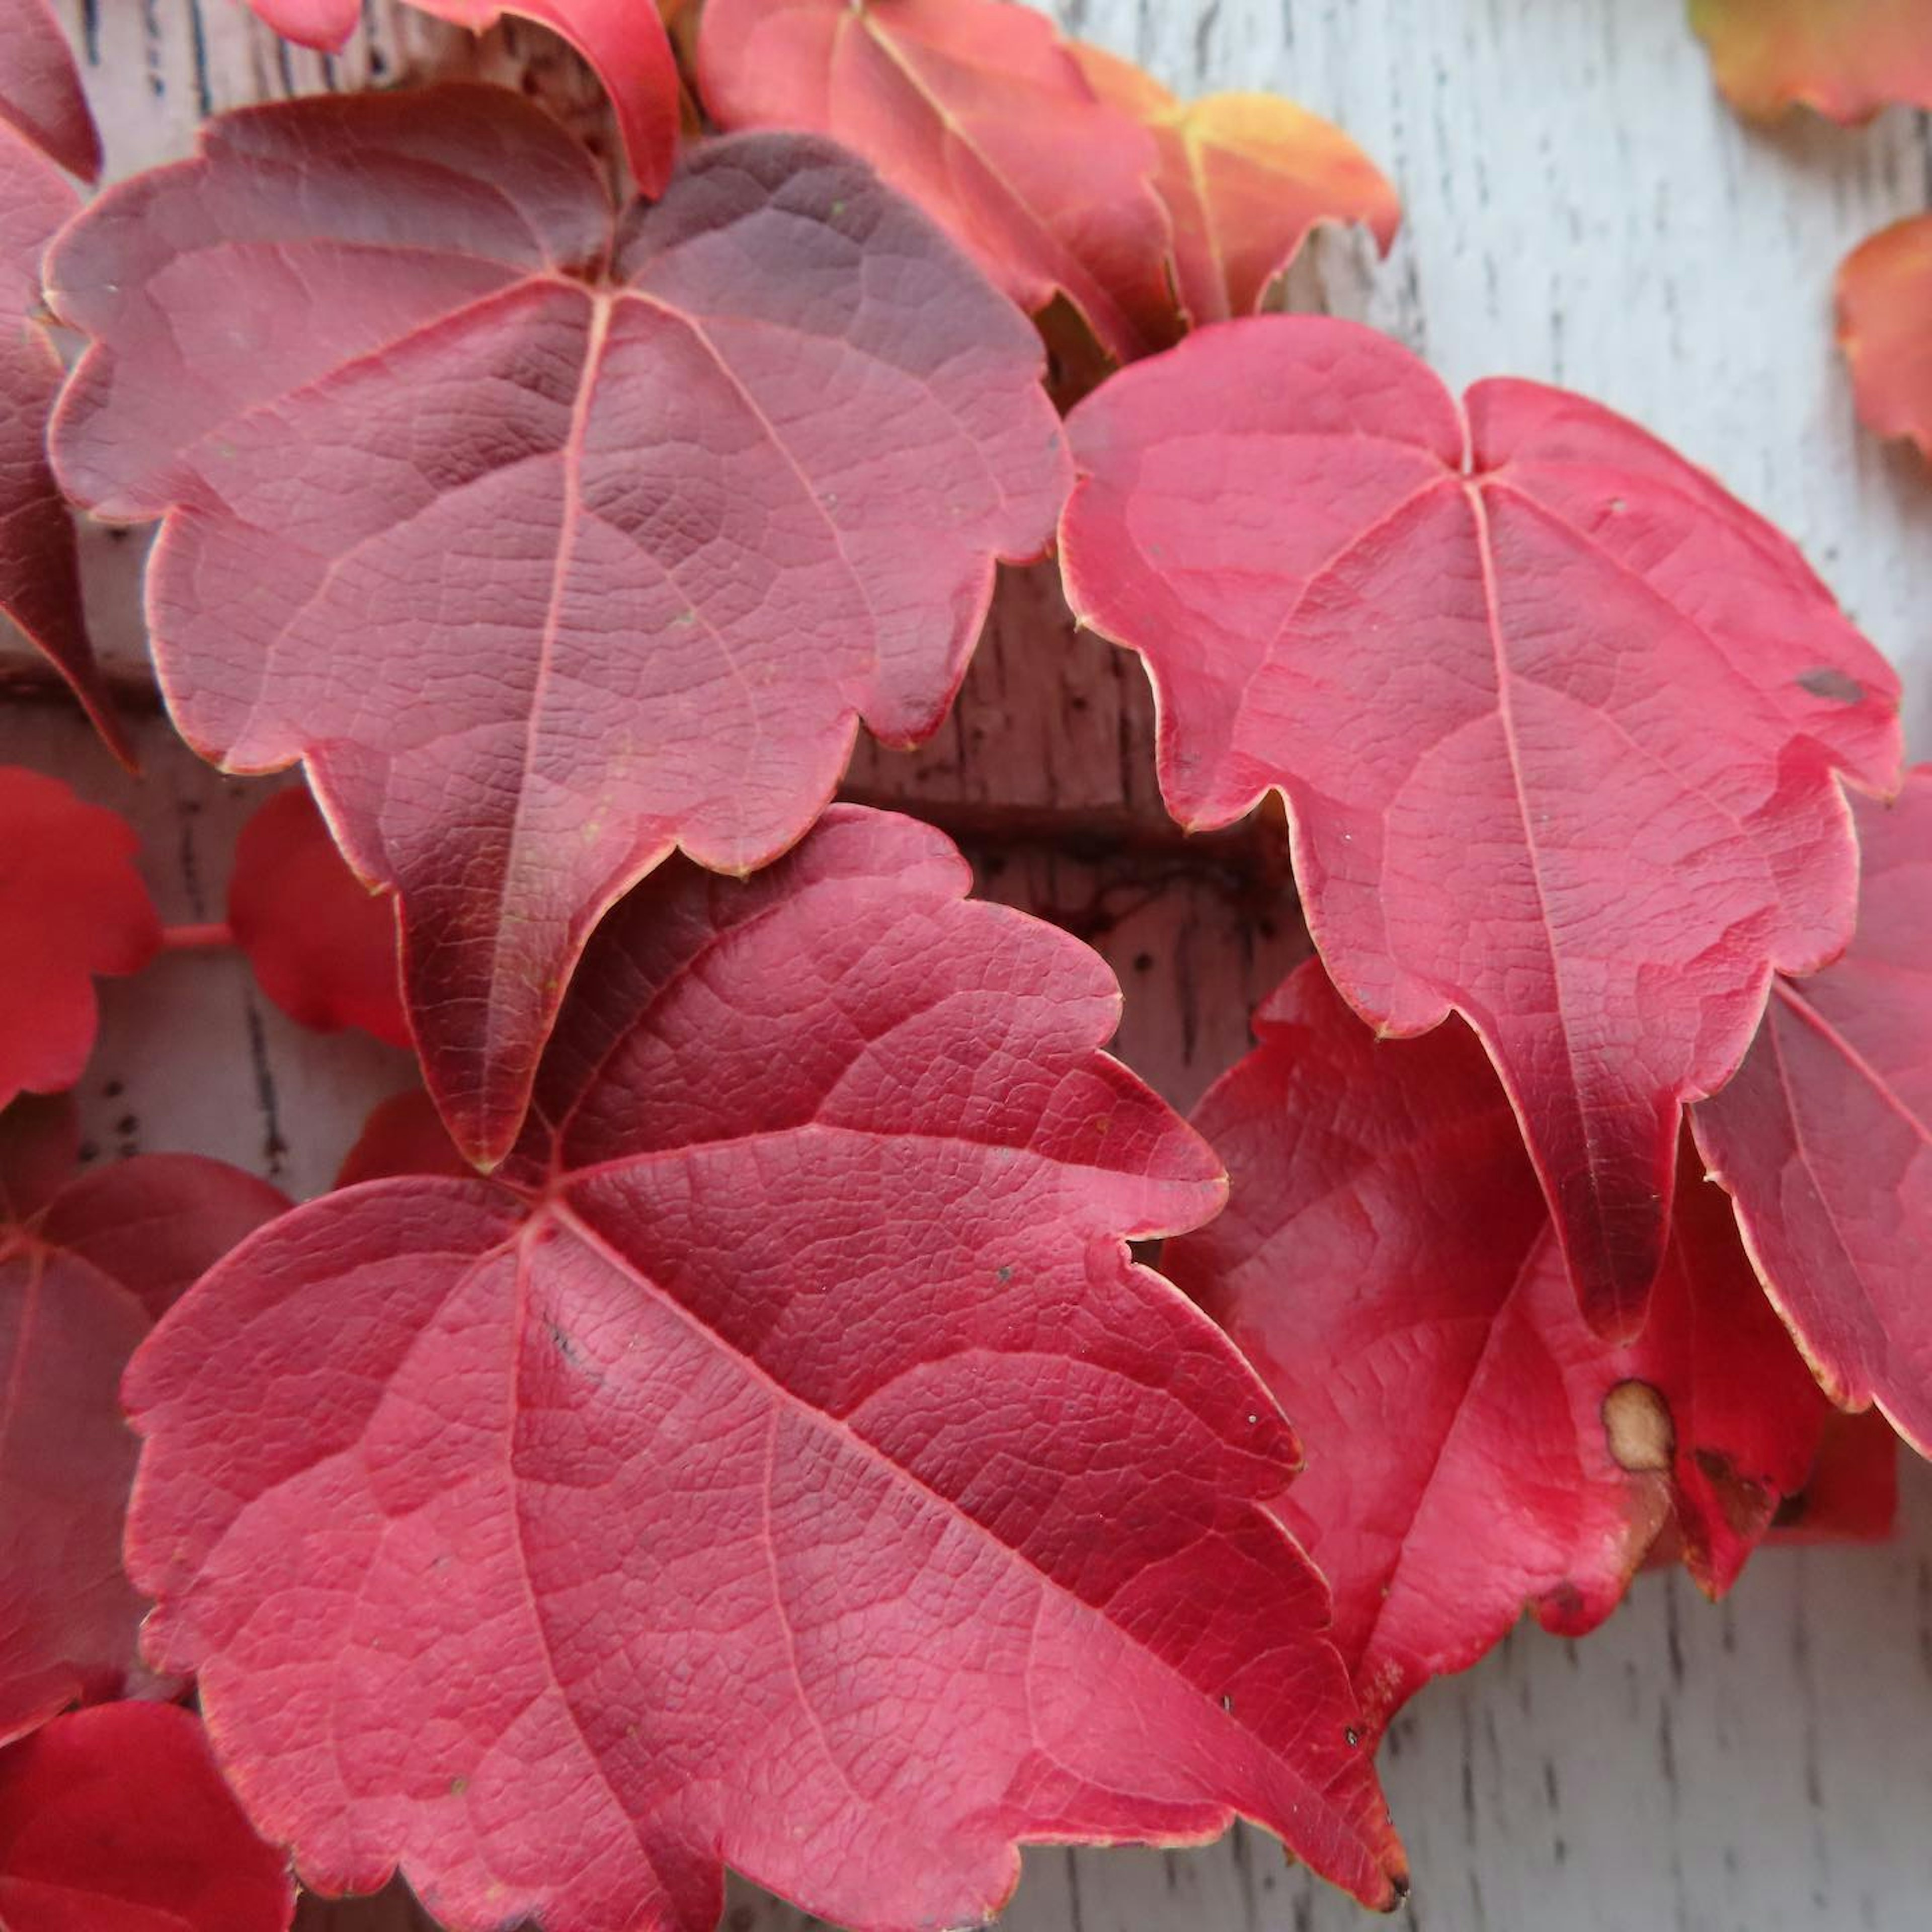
point(87, 1265)
point(979, 111)
point(625, 41)
point(1885, 327)
point(1845, 58)
point(1559, 725)
point(1386, 1263)
point(322, 945)
point(44, 127)
point(551, 544)
point(117, 1820)
point(785, 1464)
point(71, 906)
point(1246, 178)
point(1824, 1138)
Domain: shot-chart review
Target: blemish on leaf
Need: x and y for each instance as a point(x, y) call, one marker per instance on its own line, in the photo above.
point(1826, 682)
point(1638, 1428)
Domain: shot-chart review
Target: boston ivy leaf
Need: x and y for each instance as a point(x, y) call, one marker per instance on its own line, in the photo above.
point(1846, 58)
point(86, 1266)
point(1852, 1494)
point(322, 946)
point(785, 1464)
point(1824, 1137)
point(1245, 177)
point(1885, 327)
point(549, 546)
point(624, 40)
point(1386, 1263)
point(44, 127)
point(72, 906)
point(117, 1820)
point(978, 110)
point(402, 1134)
point(1558, 722)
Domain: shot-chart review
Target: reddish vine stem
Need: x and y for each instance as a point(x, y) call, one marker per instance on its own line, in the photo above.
point(207, 937)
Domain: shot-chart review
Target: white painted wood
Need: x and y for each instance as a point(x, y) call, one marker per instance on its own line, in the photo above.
point(1581, 209)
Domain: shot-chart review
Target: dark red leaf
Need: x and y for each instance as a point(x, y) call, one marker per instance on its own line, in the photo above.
point(404, 1134)
point(82, 1275)
point(1824, 1138)
point(1852, 1493)
point(624, 40)
point(71, 906)
point(1386, 1263)
point(978, 110)
point(44, 127)
point(1558, 722)
point(322, 944)
point(117, 1820)
point(544, 565)
point(787, 1466)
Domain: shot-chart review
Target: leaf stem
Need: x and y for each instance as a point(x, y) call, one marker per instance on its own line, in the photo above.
point(195, 938)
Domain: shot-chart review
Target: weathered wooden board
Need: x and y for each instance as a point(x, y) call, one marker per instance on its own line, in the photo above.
point(1580, 209)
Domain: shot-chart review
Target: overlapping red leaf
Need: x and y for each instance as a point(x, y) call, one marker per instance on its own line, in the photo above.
point(87, 1264)
point(1560, 724)
point(1824, 1138)
point(45, 127)
point(979, 111)
point(624, 40)
point(1846, 58)
point(1885, 327)
point(1386, 1262)
point(322, 946)
point(72, 906)
point(117, 1820)
point(785, 1465)
point(551, 544)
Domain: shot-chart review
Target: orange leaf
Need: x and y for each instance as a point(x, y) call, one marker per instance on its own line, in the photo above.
point(1245, 177)
point(1845, 58)
point(1885, 327)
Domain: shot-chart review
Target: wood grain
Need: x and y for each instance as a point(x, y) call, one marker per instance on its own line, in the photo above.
point(1580, 209)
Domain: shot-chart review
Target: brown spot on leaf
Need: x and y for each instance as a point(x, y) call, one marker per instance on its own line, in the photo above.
point(1826, 682)
point(1638, 1428)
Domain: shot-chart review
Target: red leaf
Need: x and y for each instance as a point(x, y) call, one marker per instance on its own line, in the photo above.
point(787, 1466)
point(1846, 58)
point(1386, 1263)
point(322, 944)
point(1852, 1493)
point(82, 1275)
point(402, 1134)
point(1558, 722)
point(1885, 327)
point(117, 1820)
point(72, 906)
point(544, 567)
point(44, 127)
point(1824, 1138)
point(624, 40)
point(1246, 177)
point(978, 110)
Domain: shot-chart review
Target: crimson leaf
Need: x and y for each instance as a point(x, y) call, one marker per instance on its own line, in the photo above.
point(785, 1464)
point(86, 1265)
point(550, 545)
point(1559, 723)
point(1386, 1262)
point(1824, 1137)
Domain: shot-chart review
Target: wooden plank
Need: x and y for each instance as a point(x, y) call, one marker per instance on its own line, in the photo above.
point(1580, 209)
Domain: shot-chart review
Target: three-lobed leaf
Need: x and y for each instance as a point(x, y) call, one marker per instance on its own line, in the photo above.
point(1386, 1261)
point(783, 1465)
point(1824, 1138)
point(72, 906)
point(1885, 328)
point(87, 1265)
point(117, 1820)
point(1245, 178)
point(45, 134)
point(551, 540)
point(626, 41)
point(980, 112)
point(1560, 725)
point(1844, 59)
